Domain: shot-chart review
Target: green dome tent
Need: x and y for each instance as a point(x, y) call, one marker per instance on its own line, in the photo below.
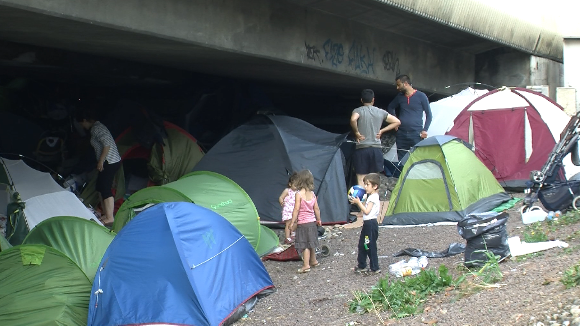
point(40, 285)
point(442, 181)
point(84, 242)
point(210, 190)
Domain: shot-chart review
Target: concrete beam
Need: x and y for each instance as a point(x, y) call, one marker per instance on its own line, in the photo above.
point(262, 39)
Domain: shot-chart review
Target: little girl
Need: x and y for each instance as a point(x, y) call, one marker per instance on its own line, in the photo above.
point(305, 217)
point(287, 200)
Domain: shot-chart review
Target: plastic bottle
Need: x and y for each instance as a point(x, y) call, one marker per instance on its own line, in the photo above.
point(557, 214)
point(550, 215)
point(423, 262)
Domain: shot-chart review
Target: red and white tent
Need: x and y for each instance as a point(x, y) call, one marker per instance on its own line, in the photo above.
point(513, 131)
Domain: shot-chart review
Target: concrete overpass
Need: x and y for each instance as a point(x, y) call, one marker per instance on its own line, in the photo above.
point(339, 45)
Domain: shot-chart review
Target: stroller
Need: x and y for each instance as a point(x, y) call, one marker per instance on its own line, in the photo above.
point(550, 185)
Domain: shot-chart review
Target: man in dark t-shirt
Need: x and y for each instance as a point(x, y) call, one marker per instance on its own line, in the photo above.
point(409, 106)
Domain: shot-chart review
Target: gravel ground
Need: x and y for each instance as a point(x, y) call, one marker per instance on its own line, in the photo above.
point(529, 294)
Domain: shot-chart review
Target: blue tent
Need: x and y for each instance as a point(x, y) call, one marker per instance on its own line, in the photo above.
point(177, 263)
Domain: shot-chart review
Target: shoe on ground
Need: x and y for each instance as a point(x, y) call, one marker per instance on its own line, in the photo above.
point(288, 241)
point(359, 270)
point(378, 271)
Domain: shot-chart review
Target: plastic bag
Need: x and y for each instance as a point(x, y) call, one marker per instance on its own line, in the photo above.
point(479, 223)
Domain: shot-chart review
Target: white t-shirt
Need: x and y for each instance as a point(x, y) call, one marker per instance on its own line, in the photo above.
point(374, 213)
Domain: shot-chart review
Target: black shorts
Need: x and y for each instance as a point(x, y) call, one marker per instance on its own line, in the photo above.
point(105, 179)
point(368, 160)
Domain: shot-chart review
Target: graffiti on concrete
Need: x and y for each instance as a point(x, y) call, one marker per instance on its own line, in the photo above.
point(361, 58)
point(312, 52)
point(333, 52)
point(391, 62)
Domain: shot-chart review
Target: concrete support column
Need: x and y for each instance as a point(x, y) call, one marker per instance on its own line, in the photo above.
point(572, 70)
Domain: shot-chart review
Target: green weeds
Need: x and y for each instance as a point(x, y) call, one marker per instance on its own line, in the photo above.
point(535, 233)
point(571, 277)
point(403, 297)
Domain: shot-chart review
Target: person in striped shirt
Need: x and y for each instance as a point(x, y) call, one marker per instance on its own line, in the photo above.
point(108, 161)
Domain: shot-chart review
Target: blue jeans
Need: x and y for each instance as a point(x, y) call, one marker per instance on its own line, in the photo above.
point(406, 140)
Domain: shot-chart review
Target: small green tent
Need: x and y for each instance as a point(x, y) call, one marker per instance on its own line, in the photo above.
point(40, 285)
point(83, 241)
point(210, 190)
point(442, 181)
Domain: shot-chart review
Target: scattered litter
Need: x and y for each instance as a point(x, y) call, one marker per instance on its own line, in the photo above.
point(411, 267)
point(519, 248)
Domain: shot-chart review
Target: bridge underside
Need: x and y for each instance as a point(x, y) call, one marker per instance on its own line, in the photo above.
point(305, 43)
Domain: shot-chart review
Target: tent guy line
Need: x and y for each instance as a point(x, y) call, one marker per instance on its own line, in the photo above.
point(219, 253)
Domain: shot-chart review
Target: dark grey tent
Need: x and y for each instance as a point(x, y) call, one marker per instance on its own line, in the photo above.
point(260, 154)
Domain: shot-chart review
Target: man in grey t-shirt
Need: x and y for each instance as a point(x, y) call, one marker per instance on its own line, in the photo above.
point(366, 122)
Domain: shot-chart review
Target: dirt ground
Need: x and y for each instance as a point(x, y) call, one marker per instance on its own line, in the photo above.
point(530, 287)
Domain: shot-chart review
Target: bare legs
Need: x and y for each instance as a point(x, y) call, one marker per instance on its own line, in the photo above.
point(108, 206)
point(308, 259)
point(287, 238)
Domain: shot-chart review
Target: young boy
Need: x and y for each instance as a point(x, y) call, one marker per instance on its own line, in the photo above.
point(367, 243)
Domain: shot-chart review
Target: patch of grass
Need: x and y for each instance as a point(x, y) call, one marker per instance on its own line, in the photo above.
point(573, 236)
point(571, 217)
point(571, 249)
point(479, 278)
point(403, 297)
point(534, 233)
point(529, 256)
point(571, 277)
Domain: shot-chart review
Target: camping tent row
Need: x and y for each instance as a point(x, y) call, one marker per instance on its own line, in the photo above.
point(29, 196)
point(212, 191)
point(70, 271)
point(513, 130)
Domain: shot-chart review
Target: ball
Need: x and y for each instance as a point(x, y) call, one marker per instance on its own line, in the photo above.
point(357, 191)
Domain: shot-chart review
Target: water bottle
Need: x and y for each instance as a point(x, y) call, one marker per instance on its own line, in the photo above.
point(557, 214)
point(423, 262)
point(550, 215)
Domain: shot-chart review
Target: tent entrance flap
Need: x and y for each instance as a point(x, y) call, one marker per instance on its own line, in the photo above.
point(425, 188)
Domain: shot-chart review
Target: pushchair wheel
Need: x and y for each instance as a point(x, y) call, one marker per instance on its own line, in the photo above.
point(324, 251)
point(537, 176)
point(576, 203)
